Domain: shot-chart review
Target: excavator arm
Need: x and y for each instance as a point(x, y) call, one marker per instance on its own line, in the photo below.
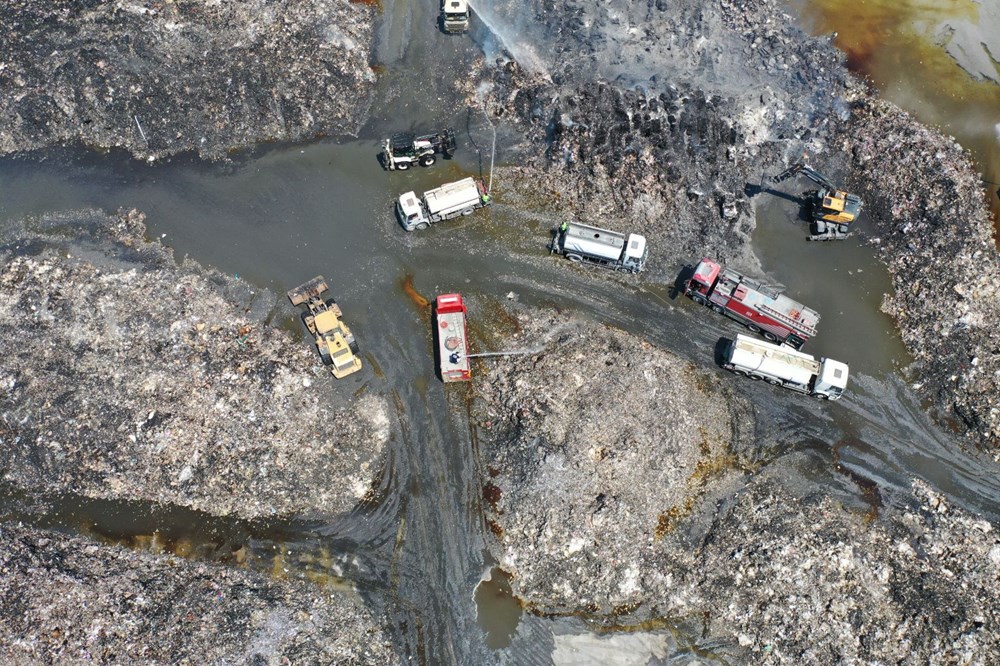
point(808, 172)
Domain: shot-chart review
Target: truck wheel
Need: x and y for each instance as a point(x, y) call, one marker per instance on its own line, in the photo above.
point(821, 396)
point(354, 347)
point(325, 356)
point(754, 328)
point(403, 166)
point(427, 160)
point(467, 211)
point(718, 308)
point(421, 226)
point(741, 373)
point(575, 258)
point(772, 381)
point(754, 376)
point(699, 299)
point(770, 336)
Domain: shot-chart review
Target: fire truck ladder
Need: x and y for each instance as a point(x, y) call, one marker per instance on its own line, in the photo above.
point(780, 315)
point(518, 352)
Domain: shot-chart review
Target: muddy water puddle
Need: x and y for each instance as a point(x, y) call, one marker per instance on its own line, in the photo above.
point(839, 279)
point(498, 611)
point(269, 546)
point(911, 51)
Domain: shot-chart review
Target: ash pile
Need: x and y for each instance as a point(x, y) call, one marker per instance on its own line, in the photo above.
point(160, 78)
point(127, 376)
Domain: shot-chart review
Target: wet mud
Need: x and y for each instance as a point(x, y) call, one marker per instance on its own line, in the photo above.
point(416, 548)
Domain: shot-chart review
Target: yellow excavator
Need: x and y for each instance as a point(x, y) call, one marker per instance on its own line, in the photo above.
point(335, 342)
point(832, 210)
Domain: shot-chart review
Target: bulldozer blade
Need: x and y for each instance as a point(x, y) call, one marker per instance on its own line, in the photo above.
point(307, 290)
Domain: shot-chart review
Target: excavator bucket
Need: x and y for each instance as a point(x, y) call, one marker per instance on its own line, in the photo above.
point(311, 289)
point(788, 173)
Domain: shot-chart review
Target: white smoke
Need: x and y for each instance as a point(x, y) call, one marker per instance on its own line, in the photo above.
point(511, 36)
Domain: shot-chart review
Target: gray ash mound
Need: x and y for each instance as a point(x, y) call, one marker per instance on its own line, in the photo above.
point(159, 78)
point(128, 376)
point(624, 486)
point(597, 458)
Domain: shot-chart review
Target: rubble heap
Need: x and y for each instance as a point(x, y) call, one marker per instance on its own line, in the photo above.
point(803, 580)
point(159, 78)
point(932, 230)
point(586, 482)
point(68, 600)
point(126, 376)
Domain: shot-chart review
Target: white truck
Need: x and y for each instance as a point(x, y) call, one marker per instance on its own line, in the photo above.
point(442, 203)
point(580, 242)
point(786, 367)
point(455, 16)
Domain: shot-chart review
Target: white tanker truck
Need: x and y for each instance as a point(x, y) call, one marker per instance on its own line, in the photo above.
point(610, 249)
point(786, 367)
point(442, 203)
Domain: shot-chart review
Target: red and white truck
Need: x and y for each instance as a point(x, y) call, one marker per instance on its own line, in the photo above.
point(452, 338)
point(762, 309)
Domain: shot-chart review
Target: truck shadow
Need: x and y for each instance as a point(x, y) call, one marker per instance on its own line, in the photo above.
point(720, 350)
point(682, 278)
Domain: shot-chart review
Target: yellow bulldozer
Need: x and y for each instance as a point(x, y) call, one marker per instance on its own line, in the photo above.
point(334, 340)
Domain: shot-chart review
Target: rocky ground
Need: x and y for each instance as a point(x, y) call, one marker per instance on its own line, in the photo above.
point(596, 459)
point(66, 600)
point(159, 77)
point(786, 579)
point(932, 230)
point(127, 376)
point(609, 496)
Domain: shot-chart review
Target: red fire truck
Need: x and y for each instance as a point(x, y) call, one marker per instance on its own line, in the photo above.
point(452, 338)
point(762, 309)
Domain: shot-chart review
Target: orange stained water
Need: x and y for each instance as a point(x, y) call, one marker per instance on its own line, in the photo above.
point(901, 46)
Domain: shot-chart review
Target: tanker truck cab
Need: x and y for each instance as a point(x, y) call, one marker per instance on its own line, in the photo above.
point(410, 212)
point(455, 16)
point(634, 259)
point(831, 380)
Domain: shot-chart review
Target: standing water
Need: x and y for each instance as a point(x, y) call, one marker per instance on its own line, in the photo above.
point(936, 60)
